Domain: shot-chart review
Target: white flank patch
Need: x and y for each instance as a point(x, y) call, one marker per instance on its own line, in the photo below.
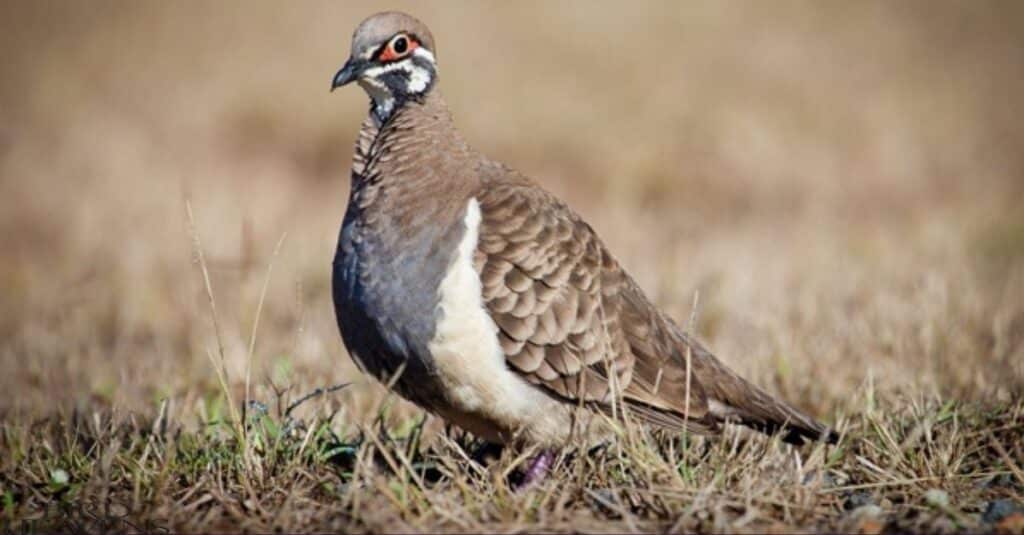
point(469, 358)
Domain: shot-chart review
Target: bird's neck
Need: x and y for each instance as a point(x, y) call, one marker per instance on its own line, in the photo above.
point(422, 113)
point(401, 164)
point(402, 144)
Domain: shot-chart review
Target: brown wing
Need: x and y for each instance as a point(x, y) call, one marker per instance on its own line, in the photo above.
point(570, 319)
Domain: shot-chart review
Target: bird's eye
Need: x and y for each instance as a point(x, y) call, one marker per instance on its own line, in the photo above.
point(400, 45)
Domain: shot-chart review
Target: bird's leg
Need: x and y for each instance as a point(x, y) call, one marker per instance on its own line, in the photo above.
point(537, 470)
point(487, 453)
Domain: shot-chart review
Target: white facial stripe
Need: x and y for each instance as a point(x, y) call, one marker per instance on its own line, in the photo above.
point(424, 53)
point(419, 78)
point(374, 72)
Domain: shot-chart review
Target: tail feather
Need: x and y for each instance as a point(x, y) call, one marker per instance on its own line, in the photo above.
point(732, 398)
point(756, 409)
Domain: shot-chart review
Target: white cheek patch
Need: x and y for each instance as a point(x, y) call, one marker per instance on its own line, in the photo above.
point(425, 54)
point(419, 77)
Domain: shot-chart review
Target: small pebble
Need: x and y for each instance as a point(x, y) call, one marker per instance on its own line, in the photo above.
point(871, 526)
point(257, 409)
point(1011, 525)
point(997, 510)
point(867, 511)
point(942, 524)
point(996, 482)
point(937, 498)
point(601, 498)
point(59, 477)
point(824, 478)
point(1002, 480)
point(856, 500)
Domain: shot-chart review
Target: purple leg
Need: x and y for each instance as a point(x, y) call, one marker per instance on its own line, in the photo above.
point(537, 470)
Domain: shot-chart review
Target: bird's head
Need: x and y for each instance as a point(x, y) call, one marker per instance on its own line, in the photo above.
point(392, 59)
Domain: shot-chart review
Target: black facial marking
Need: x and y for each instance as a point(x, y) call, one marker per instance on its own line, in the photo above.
point(380, 50)
point(397, 81)
point(398, 77)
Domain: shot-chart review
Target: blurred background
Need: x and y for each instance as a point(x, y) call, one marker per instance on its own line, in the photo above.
point(840, 181)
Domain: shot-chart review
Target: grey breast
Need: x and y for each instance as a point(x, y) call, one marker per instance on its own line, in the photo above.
point(395, 246)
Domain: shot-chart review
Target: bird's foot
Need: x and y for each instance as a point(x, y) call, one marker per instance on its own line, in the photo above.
point(536, 471)
point(487, 453)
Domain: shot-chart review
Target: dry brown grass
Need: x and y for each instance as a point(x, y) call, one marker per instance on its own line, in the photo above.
point(841, 182)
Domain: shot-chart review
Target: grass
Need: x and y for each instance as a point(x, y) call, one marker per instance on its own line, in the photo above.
point(840, 185)
point(111, 469)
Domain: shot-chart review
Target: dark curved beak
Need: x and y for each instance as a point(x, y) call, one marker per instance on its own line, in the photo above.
point(349, 73)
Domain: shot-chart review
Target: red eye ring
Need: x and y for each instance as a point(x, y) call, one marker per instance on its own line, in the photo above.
point(400, 46)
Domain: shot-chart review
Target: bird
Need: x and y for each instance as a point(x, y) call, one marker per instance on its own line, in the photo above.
point(473, 292)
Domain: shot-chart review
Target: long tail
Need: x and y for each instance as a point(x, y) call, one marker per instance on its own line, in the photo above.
point(732, 398)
